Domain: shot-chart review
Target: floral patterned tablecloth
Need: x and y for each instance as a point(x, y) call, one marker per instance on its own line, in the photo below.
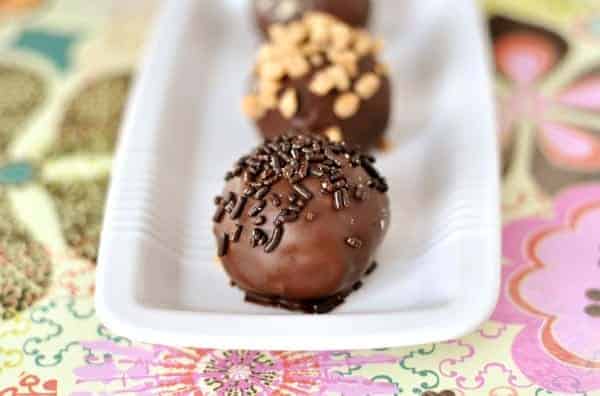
point(65, 69)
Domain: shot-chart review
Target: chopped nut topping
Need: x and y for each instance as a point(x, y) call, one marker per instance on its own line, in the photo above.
point(363, 43)
point(267, 100)
point(341, 36)
point(367, 85)
point(297, 32)
point(271, 71)
point(269, 86)
point(319, 34)
point(339, 77)
point(319, 27)
point(277, 33)
point(316, 18)
point(265, 53)
point(347, 59)
point(288, 105)
point(320, 42)
point(251, 107)
point(346, 105)
point(310, 49)
point(334, 134)
point(297, 66)
point(317, 60)
point(321, 83)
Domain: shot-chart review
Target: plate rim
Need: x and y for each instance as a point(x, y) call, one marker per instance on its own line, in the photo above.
point(118, 313)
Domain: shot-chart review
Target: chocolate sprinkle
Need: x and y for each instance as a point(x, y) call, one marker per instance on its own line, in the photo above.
point(286, 158)
point(354, 242)
point(223, 245)
point(230, 202)
point(303, 171)
point(371, 268)
point(256, 209)
point(260, 194)
point(338, 200)
point(219, 213)
point(275, 239)
point(303, 191)
point(258, 237)
point(238, 233)
point(238, 208)
point(276, 163)
point(248, 177)
point(345, 197)
point(249, 191)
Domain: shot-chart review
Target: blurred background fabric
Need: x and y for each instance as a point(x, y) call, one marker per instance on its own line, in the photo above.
point(65, 70)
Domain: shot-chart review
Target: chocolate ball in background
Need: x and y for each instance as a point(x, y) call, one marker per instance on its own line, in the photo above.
point(299, 222)
point(269, 12)
point(318, 74)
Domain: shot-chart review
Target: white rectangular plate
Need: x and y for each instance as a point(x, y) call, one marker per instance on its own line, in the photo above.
point(439, 269)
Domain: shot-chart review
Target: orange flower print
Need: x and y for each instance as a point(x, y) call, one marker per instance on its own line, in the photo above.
point(18, 5)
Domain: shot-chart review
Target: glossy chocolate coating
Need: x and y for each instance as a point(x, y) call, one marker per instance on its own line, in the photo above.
point(364, 129)
point(267, 12)
point(314, 259)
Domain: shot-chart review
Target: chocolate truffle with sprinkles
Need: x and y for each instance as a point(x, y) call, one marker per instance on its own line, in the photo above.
point(299, 221)
point(268, 12)
point(320, 75)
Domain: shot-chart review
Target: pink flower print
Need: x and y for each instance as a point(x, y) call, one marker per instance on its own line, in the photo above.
point(144, 370)
point(154, 369)
point(241, 372)
point(570, 147)
point(552, 287)
point(524, 57)
point(569, 333)
point(584, 93)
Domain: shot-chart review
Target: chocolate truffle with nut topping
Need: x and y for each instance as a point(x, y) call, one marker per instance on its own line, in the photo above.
point(318, 74)
point(268, 12)
point(299, 222)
